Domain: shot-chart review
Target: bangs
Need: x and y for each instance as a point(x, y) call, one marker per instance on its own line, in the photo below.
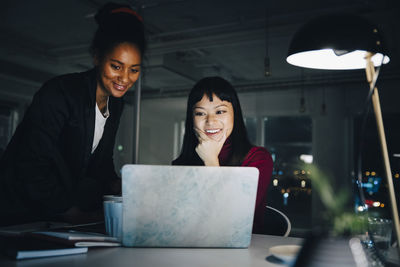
point(198, 95)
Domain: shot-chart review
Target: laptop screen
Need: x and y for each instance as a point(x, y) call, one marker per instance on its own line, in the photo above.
point(188, 206)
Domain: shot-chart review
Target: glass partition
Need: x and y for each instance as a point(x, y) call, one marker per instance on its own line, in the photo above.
point(289, 140)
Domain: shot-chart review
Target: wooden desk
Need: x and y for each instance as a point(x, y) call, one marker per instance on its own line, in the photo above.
point(175, 257)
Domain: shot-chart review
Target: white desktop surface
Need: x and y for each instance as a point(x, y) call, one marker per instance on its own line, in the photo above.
point(255, 255)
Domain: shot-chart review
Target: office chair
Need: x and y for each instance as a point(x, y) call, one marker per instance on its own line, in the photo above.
point(276, 223)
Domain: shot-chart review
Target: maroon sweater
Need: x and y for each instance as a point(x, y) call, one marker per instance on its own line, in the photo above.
point(260, 158)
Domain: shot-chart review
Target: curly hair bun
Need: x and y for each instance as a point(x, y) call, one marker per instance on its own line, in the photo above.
point(117, 23)
point(113, 13)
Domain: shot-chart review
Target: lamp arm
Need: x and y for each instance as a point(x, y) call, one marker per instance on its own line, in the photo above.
point(372, 80)
point(370, 71)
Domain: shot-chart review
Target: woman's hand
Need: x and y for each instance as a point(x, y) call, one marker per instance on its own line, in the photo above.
point(208, 149)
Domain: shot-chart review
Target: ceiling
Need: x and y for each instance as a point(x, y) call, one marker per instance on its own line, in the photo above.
point(188, 39)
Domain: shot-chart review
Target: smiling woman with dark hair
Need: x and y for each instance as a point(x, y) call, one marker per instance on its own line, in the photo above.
point(59, 163)
point(215, 135)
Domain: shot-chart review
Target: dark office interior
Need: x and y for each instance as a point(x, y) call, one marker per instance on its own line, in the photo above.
point(301, 116)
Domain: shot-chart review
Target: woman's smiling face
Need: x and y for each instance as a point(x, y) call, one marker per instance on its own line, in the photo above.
point(119, 70)
point(213, 118)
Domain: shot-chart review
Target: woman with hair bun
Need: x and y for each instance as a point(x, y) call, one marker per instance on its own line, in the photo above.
point(215, 135)
point(59, 163)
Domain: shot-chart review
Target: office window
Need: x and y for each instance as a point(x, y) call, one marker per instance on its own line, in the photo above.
point(374, 181)
point(8, 117)
point(289, 140)
point(251, 126)
point(179, 132)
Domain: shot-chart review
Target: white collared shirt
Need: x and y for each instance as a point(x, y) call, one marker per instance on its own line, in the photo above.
point(99, 125)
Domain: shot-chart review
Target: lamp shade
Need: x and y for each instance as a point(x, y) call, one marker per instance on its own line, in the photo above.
point(337, 42)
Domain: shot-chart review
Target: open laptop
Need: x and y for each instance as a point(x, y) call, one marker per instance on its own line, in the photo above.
point(187, 206)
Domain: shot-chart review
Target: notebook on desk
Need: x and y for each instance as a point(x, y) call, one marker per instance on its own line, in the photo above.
point(186, 206)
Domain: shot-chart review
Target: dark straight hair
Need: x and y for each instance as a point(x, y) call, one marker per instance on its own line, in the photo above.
point(240, 142)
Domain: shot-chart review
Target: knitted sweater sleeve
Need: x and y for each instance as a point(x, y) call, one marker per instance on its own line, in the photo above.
point(260, 158)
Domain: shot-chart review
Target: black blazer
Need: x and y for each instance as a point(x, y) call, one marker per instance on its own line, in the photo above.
point(48, 166)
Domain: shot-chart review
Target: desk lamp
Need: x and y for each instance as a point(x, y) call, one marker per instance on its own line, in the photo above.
point(345, 42)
